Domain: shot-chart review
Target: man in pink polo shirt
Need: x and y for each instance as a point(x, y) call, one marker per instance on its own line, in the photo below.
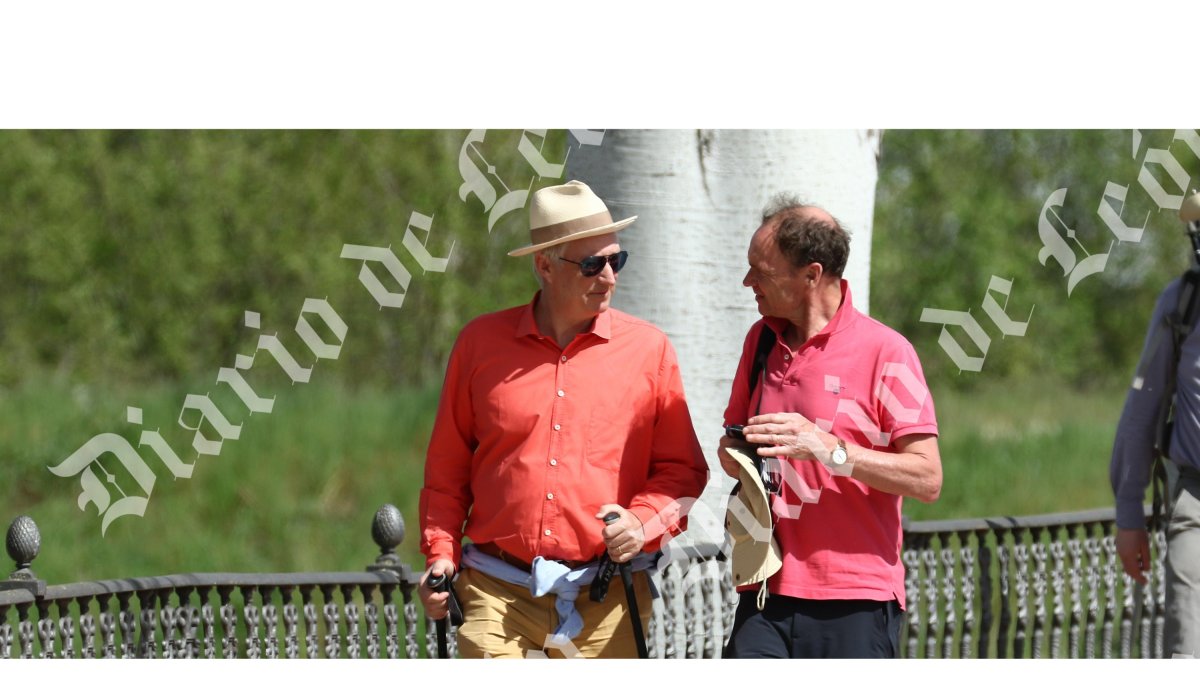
point(842, 404)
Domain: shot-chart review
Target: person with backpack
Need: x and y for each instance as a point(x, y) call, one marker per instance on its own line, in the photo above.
point(1159, 434)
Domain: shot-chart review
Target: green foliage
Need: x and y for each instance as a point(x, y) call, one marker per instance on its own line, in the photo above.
point(132, 255)
point(955, 208)
point(295, 493)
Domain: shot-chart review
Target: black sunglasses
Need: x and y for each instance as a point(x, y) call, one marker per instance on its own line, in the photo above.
point(594, 264)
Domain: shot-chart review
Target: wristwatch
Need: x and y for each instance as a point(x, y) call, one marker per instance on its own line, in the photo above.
point(839, 455)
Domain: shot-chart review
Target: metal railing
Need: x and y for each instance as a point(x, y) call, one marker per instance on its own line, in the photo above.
point(370, 614)
point(1038, 586)
point(1041, 586)
point(367, 614)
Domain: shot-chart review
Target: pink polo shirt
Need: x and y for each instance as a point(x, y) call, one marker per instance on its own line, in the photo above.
point(861, 381)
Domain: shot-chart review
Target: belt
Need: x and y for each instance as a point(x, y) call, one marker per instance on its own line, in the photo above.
point(497, 552)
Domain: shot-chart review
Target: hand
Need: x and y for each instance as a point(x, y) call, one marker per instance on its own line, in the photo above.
point(728, 464)
point(786, 435)
point(437, 605)
point(624, 538)
point(1133, 546)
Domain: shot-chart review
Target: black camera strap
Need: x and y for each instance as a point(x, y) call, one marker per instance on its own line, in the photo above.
point(766, 342)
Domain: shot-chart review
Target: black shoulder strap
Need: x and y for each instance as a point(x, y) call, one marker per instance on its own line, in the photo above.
point(1189, 300)
point(1180, 322)
point(766, 340)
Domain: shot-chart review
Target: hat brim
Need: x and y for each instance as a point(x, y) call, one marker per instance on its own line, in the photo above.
point(754, 559)
point(619, 225)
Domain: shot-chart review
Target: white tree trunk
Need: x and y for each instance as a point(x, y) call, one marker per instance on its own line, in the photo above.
point(698, 195)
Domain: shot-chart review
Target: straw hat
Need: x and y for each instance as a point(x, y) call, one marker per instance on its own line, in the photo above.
point(562, 213)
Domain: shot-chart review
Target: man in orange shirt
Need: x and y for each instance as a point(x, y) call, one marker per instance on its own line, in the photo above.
point(553, 415)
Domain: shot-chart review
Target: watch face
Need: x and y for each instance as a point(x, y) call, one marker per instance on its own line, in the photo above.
point(839, 455)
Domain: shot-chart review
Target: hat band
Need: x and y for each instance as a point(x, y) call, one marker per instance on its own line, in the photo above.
point(549, 233)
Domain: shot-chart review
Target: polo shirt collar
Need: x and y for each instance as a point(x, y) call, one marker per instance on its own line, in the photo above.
point(842, 319)
point(526, 325)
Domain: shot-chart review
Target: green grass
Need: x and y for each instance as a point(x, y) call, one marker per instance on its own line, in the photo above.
point(1021, 448)
point(297, 491)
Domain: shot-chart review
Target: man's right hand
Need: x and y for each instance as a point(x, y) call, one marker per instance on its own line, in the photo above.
point(437, 605)
point(1133, 546)
point(728, 464)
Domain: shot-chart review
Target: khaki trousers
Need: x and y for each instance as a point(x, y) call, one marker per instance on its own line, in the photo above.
point(1182, 629)
point(502, 620)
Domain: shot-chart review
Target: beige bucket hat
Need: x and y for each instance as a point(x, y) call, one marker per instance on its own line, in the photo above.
point(755, 553)
point(562, 213)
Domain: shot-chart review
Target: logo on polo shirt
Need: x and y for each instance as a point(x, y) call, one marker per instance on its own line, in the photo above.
point(833, 385)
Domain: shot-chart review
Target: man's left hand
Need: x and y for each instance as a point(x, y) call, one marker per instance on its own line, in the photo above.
point(625, 537)
point(786, 435)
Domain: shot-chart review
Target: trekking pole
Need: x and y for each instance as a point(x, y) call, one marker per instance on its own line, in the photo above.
point(635, 617)
point(454, 615)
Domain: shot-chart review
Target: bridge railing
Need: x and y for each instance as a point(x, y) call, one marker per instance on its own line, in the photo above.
point(1040, 586)
point(1037, 586)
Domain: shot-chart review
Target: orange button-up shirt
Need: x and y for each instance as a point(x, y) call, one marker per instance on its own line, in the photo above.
point(531, 439)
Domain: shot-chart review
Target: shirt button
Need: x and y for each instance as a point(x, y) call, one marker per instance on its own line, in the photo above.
point(549, 495)
point(561, 392)
point(557, 427)
point(547, 533)
point(564, 358)
point(554, 462)
point(787, 357)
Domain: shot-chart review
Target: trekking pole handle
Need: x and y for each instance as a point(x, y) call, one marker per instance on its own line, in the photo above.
point(439, 583)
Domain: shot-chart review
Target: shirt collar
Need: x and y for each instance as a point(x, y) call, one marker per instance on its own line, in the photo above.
point(601, 326)
point(842, 318)
point(844, 315)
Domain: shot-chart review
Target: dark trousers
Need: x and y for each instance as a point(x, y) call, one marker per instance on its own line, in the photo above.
point(792, 628)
